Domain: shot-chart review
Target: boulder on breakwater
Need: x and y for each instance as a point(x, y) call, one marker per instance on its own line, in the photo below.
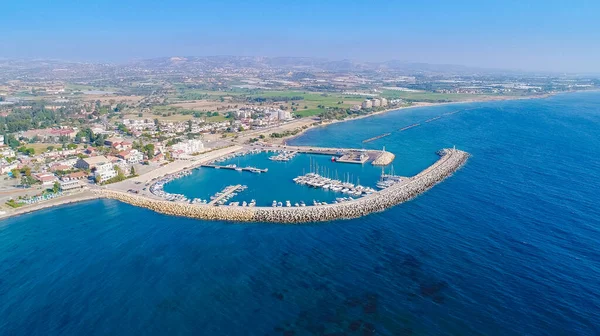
point(384, 159)
point(450, 161)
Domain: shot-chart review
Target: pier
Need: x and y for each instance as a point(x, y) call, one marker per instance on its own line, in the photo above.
point(450, 161)
point(353, 157)
point(225, 194)
point(233, 167)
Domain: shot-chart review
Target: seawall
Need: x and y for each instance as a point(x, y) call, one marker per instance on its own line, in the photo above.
point(450, 161)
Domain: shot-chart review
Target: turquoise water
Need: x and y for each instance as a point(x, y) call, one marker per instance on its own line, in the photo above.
point(509, 245)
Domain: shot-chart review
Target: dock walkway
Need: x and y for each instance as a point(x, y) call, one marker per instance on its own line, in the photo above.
point(225, 193)
point(248, 169)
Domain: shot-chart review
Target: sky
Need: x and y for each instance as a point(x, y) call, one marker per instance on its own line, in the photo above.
point(535, 35)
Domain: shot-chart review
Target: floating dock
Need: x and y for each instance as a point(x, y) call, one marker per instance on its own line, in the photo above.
point(225, 193)
point(248, 169)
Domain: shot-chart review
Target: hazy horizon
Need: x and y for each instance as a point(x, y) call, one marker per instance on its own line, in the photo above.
point(549, 36)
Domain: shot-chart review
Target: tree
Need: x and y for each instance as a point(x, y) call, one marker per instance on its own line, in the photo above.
point(149, 150)
point(56, 187)
point(27, 181)
point(50, 148)
point(132, 171)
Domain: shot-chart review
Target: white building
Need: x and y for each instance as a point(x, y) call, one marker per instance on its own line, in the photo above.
point(367, 104)
point(135, 156)
point(5, 167)
point(105, 171)
point(188, 146)
point(376, 102)
point(68, 184)
point(284, 115)
point(384, 102)
point(7, 152)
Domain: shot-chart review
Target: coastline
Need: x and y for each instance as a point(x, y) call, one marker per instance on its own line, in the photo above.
point(85, 195)
point(182, 165)
point(414, 106)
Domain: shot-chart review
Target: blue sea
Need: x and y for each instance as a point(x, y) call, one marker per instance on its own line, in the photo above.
point(509, 245)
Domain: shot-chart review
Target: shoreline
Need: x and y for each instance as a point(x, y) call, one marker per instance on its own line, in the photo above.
point(282, 141)
point(82, 196)
point(91, 194)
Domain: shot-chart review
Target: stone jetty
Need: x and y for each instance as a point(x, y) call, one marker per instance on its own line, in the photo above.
point(450, 161)
point(384, 159)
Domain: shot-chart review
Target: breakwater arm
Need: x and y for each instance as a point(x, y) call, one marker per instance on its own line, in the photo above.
point(450, 161)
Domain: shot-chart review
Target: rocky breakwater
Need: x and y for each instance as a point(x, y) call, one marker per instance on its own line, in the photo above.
point(237, 214)
point(451, 160)
point(384, 159)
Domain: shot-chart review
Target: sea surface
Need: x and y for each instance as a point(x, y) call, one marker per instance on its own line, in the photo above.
point(509, 245)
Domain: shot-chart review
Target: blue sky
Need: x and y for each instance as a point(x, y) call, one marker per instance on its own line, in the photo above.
point(526, 34)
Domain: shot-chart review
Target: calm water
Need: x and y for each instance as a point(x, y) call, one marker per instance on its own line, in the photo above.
point(277, 184)
point(510, 245)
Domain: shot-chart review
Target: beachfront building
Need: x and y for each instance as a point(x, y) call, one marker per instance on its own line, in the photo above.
point(68, 184)
point(367, 104)
point(46, 179)
point(384, 102)
point(132, 156)
point(188, 147)
point(105, 171)
point(376, 102)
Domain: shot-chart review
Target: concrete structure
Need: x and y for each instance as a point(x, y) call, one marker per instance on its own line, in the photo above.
point(91, 162)
point(68, 184)
point(105, 171)
point(6, 167)
point(131, 156)
point(384, 102)
point(188, 147)
point(47, 179)
point(284, 115)
point(367, 104)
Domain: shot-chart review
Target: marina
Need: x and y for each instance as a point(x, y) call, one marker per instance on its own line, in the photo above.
point(449, 162)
